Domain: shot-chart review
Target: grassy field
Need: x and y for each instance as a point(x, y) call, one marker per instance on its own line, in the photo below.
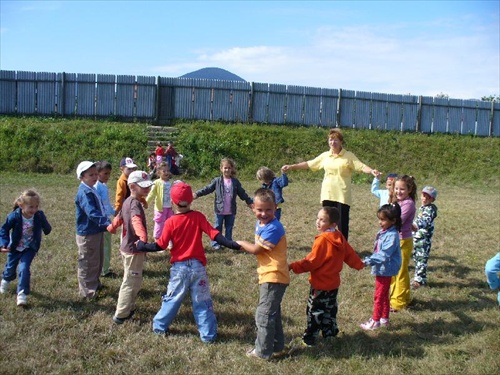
point(452, 326)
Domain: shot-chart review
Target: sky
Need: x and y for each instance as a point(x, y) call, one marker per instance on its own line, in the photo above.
point(396, 47)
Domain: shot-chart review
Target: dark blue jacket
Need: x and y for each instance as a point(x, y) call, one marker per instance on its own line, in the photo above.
point(14, 223)
point(277, 185)
point(90, 217)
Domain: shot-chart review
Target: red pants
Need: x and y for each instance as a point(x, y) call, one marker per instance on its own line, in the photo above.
point(381, 304)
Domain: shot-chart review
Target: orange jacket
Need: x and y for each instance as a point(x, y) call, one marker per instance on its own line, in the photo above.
point(123, 192)
point(329, 252)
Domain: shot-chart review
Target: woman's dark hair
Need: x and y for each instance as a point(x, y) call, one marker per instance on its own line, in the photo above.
point(391, 212)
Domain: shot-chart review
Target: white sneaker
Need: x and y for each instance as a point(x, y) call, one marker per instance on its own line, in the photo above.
point(22, 299)
point(384, 322)
point(370, 325)
point(4, 285)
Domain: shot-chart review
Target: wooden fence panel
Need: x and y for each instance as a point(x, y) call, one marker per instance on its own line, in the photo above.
point(7, 92)
point(347, 102)
point(26, 91)
point(394, 109)
point(426, 114)
point(85, 91)
point(260, 102)
point(167, 100)
point(221, 105)
point(441, 108)
point(362, 116)
point(277, 104)
point(125, 96)
point(240, 96)
point(184, 98)
point(455, 116)
point(294, 105)
point(68, 94)
point(312, 106)
point(146, 97)
point(483, 118)
point(469, 115)
point(495, 123)
point(203, 99)
point(410, 112)
point(379, 111)
point(45, 93)
point(329, 104)
point(105, 95)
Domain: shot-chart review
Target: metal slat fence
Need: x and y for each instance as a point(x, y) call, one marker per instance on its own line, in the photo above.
point(162, 100)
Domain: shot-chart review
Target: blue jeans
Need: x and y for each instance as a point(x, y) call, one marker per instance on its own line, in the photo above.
point(270, 337)
point(188, 276)
point(23, 259)
point(228, 221)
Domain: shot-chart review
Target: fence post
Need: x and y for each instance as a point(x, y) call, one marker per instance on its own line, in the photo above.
point(158, 102)
point(419, 114)
point(62, 95)
point(337, 119)
point(250, 105)
point(491, 118)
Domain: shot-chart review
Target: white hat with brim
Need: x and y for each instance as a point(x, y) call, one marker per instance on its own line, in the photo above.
point(140, 178)
point(82, 167)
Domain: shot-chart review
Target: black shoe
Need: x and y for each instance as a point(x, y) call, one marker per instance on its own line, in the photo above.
point(118, 320)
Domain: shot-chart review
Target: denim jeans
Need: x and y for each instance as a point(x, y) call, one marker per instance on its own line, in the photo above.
point(228, 221)
point(23, 259)
point(270, 337)
point(188, 276)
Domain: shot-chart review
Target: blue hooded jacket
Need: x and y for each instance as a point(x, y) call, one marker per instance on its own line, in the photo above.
point(386, 259)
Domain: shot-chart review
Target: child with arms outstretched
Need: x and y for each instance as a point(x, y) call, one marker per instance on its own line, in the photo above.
point(227, 187)
point(188, 260)
point(270, 249)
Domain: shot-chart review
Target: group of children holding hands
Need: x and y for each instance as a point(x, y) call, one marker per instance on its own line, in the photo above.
point(179, 228)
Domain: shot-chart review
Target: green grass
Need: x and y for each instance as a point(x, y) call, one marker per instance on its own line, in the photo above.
point(452, 326)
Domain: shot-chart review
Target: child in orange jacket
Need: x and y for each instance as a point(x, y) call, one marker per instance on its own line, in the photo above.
point(329, 252)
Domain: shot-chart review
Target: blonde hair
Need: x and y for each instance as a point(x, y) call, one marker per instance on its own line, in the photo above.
point(336, 133)
point(25, 197)
point(231, 162)
point(265, 174)
point(265, 195)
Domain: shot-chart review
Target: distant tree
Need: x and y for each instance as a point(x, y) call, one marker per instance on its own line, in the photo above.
point(491, 98)
point(442, 95)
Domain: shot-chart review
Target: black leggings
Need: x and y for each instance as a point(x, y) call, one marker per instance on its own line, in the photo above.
point(343, 223)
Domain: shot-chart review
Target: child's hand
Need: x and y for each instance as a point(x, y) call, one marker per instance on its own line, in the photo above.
point(4, 250)
point(414, 227)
